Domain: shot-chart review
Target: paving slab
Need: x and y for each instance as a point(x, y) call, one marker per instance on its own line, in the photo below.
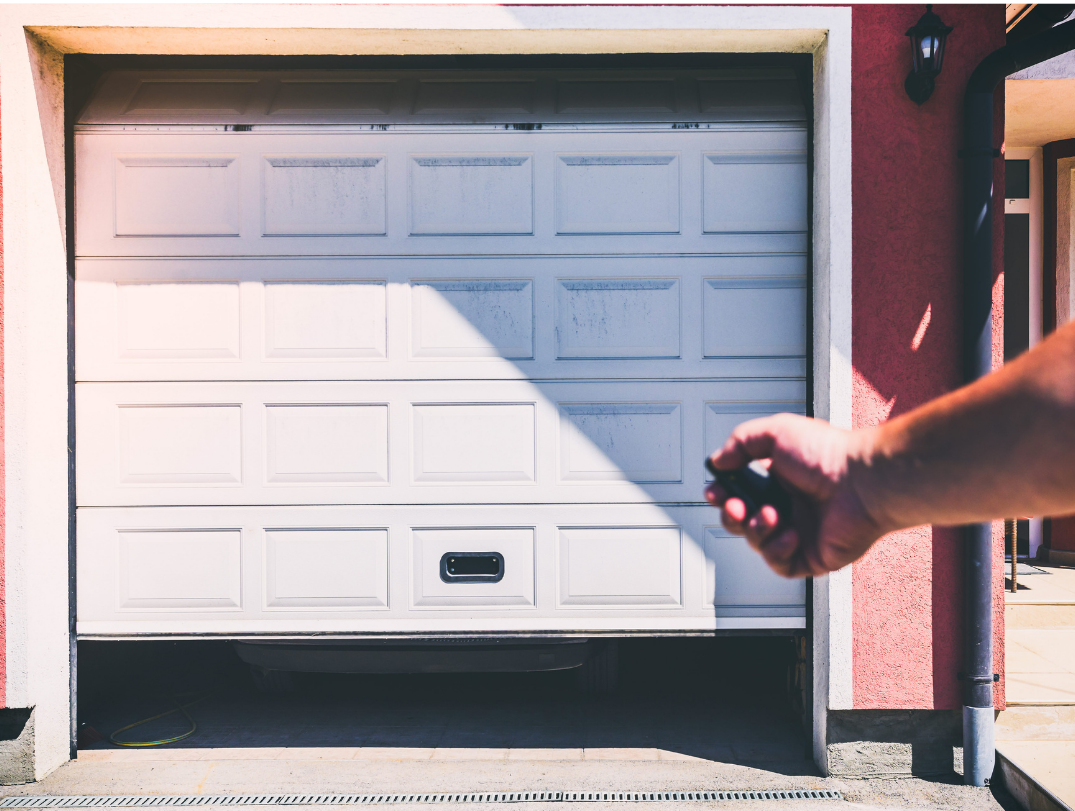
point(1052, 584)
point(1040, 666)
point(1036, 723)
point(1051, 763)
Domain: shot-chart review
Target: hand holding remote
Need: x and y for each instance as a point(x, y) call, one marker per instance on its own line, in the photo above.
point(754, 488)
point(805, 518)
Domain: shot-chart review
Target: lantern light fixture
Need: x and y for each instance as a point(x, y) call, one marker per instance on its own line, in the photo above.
point(927, 37)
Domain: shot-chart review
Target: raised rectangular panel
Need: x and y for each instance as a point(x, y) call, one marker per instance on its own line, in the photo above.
point(737, 575)
point(620, 566)
point(617, 194)
point(742, 98)
point(617, 318)
point(474, 442)
point(178, 320)
point(640, 96)
point(472, 194)
point(722, 418)
point(163, 570)
point(177, 195)
point(754, 317)
point(180, 444)
point(327, 443)
point(470, 318)
point(443, 97)
point(639, 442)
point(371, 98)
point(190, 97)
point(326, 568)
point(514, 590)
point(311, 319)
point(753, 192)
point(311, 195)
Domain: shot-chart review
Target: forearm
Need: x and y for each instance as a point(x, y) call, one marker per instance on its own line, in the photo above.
point(1002, 446)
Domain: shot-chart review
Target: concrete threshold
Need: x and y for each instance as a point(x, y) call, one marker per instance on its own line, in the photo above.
point(386, 753)
point(1028, 792)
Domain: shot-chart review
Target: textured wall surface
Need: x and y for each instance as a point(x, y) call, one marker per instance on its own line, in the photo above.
point(907, 247)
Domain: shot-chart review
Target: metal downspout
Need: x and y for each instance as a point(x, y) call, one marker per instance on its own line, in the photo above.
point(979, 749)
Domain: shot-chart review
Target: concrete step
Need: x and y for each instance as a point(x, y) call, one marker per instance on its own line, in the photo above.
point(1039, 615)
point(1056, 723)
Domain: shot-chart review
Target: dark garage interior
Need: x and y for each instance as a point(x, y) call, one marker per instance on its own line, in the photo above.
point(728, 699)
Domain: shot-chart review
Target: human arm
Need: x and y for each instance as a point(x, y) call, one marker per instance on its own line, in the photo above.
point(1002, 446)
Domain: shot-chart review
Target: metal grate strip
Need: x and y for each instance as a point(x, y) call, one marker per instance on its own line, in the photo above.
point(122, 801)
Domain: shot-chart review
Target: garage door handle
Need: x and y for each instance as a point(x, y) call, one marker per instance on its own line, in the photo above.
point(472, 567)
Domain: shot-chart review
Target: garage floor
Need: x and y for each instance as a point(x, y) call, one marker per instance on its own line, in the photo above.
point(690, 715)
point(712, 699)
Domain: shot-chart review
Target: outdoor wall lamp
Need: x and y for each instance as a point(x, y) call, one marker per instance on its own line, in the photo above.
point(927, 54)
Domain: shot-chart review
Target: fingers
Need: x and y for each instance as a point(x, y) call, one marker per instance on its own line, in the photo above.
point(733, 512)
point(734, 516)
point(779, 546)
point(750, 440)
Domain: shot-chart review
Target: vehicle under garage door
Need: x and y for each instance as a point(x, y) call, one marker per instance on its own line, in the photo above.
point(404, 352)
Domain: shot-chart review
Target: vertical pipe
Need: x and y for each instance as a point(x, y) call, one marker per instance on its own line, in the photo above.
point(978, 156)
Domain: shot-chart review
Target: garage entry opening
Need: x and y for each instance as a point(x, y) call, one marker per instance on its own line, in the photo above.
point(430, 353)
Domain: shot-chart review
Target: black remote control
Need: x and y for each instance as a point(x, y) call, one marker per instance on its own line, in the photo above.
point(753, 488)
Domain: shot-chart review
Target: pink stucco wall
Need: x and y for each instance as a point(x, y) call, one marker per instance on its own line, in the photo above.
point(907, 254)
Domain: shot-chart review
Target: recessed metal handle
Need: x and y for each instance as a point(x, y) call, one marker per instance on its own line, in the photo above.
point(472, 567)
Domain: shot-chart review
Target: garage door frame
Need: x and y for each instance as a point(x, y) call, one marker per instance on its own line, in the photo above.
point(33, 39)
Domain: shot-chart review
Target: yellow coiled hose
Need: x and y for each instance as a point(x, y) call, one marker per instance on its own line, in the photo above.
point(178, 698)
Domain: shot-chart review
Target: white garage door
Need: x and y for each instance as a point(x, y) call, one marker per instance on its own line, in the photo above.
point(334, 331)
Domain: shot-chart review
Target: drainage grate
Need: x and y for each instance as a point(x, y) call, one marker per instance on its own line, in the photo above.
point(180, 800)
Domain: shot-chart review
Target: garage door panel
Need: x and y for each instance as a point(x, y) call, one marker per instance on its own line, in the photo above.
point(488, 443)
point(171, 444)
point(468, 318)
point(299, 98)
point(617, 194)
point(386, 96)
point(180, 569)
point(756, 191)
point(618, 318)
point(324, 569)
point(310, 319)
point(640, 442)
point(158, 321)
point(660, 316)
point(322, 444)
point(754, 317)
point(319, 195)
point(448, 364)
point(409, 442)
point(620, 566)
point(405, 192)
point(515, 588)
point(176, 196)
point(472, 194)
